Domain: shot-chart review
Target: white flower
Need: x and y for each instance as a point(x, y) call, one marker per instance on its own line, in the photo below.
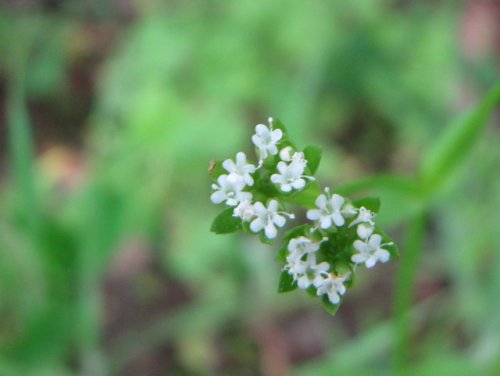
point(298, 247)
point(330, 210)
point(244, 210)
point(265, 139)
point(313, 275)
point(364, 216)
point(268, 218)
point(229, 189)
point(333, 286)
point(370, 251)
point(307, 272)
point(291, 175)
point(241, 167)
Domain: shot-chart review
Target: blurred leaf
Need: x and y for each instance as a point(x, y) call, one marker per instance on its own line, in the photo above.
point(450, 150)
point(312, 154)
point(225, 222)
point(370, 203)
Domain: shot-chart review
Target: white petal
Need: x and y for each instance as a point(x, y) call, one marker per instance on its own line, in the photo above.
point(270, 231)
point(325, 222)
point(322, 267)
point(256, 225)
point(364, 230)
point(313, 214)
point(338, 219)
point(370, 262)
point(333, 297)
point(217, 197)
point(337, 201)
point(229, 165)
point(279, 220)
point(241, 158)
point(303, 282)
point(358, 258)
point(321, 201)
point(277, 179)
point(286, 187)
point(299, 184)
point(276, 135)
point(260, 209)
point(273, 150)
point(360, 246)
point(282, 168)
point(374, 241)
point(273, 206)
point(382, 255)
point(261, 129)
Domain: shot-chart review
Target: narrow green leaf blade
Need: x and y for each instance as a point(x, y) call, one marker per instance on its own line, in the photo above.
point(448, 153)
point(225, 223)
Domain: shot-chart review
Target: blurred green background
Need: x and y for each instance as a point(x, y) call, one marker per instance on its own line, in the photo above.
point(110, 114)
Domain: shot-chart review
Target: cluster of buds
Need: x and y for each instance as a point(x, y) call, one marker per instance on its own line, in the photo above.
point(319, 256)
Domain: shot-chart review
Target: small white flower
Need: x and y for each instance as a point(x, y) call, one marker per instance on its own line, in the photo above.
point(333, 286)
point(307, 272)
point(241, 167)
point(229, 189)
point(244, 210)
point(330, 210)
point(291, 175)
point(370, 251)
point(313, 275)
point(268, 218)
point(364, 216)
point(364, 230)
point(265, 139)
point(298, 247)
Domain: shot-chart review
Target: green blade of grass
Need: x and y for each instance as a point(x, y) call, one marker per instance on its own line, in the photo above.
point(450, 150)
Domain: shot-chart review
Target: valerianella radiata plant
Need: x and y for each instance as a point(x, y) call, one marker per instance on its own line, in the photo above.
point(319, 256)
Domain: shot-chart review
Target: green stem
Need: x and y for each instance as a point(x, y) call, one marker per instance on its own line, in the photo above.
point(404, 293)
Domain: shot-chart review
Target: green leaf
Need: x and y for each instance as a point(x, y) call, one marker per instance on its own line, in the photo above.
point(286, 283)
point(329, 307)
point(225, 223)
point(450, 150)
point(370, 203)
point(313, 156)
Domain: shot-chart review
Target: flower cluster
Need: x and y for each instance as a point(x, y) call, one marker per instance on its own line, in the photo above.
point(319, 256)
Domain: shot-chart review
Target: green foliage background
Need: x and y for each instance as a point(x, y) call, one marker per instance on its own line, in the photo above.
point(108, 266)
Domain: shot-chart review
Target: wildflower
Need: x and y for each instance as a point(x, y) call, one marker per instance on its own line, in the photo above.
point(364, 216)
point(306, 272)
point(313, 275)
point(265, 139)
point(268, 218)
point(291, 175)
point(370, 251)
point(229, 189)
point(333, 286)
point(330, 210)
point(298, 247)
point(244, 210)
point(241, 167)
